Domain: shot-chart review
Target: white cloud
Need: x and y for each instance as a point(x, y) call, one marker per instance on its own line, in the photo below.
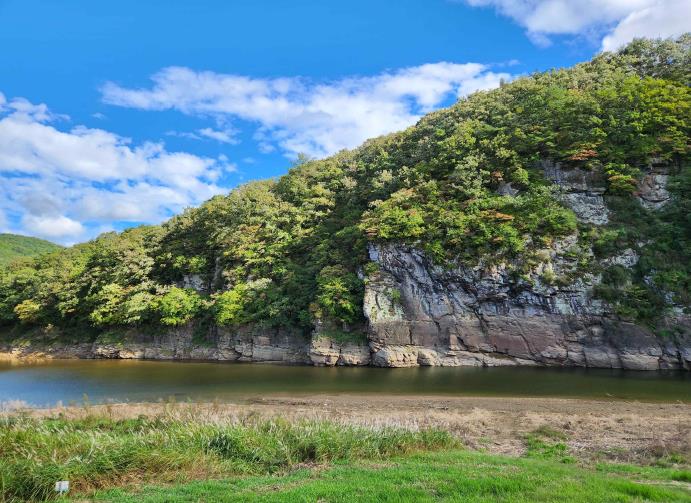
point(50, 227)
point(63, 184)
point(299, 115)
point(621, 20)
point(664, 19)
point(222, 136)
point(226, 135)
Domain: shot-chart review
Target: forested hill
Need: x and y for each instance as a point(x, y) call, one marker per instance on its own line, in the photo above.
point(465, 186)
point(13, 246)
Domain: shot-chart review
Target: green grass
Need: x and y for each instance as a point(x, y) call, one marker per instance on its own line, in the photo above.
point(547, 443)
point(13, 246)
point(167, 459)
point(97, 452)
point(463, 476)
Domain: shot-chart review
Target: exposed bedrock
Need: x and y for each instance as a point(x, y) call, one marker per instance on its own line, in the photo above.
point(580, 189)
point(422, 314)
point(245, 344)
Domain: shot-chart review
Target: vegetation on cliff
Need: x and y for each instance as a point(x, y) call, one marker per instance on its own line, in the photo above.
point(289, 251)
point(13, 247)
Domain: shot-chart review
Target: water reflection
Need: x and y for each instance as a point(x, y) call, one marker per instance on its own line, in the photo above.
point(46, 383)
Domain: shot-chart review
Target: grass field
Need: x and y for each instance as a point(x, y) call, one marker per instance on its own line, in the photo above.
point(166, 458)
point(454, 475)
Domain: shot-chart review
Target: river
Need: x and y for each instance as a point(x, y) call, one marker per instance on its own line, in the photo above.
point(72, 381)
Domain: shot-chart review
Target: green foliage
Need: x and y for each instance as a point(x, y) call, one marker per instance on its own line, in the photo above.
point(28, 311)
point(339, 294)
point(286, 252)
point(13, 247)
point(240, 303)
point(663, 240)
point(179, 305)
point(396, 218)
point(230, 305)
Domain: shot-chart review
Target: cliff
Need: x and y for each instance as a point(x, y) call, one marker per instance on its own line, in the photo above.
point(420, 313)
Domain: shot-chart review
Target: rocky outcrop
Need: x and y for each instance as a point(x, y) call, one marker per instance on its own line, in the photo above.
point(325, 352)
point(244, 344)
point(580, 189)
point(422, 314)
point(652, 189)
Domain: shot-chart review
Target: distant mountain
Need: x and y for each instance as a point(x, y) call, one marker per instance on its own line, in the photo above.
point(13, 246)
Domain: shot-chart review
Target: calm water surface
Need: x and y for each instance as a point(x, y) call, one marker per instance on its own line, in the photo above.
point(46, 383)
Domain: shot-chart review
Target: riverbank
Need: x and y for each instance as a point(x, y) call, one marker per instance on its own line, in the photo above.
point(622, 346)
point(512, 449)
point(591, 429)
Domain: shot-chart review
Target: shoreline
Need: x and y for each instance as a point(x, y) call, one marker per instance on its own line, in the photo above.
point(15, 356)
point(630, 349)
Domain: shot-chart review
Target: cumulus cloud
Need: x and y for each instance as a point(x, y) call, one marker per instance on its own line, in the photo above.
point(298, 115)
point(63, 183)
point(664, 19)
point(52, 227)
point(620, 21)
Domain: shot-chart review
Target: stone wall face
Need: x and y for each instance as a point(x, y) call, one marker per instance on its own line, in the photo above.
point(422, 314)
point(246, 344)
point(243, 344)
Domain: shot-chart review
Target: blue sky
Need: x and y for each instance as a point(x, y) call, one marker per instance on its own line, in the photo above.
point(114, 114)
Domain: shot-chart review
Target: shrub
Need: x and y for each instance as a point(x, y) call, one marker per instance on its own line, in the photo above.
point(179, 305)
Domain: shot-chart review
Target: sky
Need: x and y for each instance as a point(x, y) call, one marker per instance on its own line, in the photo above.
point(121, 113)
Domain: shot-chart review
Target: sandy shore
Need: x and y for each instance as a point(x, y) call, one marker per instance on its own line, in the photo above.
point(613, 430)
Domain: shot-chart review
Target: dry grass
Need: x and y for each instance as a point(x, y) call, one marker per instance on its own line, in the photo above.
point(611, 430)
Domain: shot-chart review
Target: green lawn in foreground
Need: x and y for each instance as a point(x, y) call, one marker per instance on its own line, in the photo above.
point(465, 476)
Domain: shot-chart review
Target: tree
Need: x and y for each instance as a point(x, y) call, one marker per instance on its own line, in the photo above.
point(179, 305)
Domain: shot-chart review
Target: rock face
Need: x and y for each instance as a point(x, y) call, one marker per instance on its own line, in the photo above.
point(422, 314)
point(652, 189)
point(325, 352)
point(244, 344)
point(579, 189)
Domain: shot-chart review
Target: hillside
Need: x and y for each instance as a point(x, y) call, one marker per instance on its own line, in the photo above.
point(13, 246)
point(558, 200)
